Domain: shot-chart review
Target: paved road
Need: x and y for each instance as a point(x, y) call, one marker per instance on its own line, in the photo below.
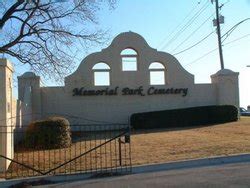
point(233, 175)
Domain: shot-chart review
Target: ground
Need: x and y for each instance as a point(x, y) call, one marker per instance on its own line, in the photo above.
point(147, 146)
point(178, 144)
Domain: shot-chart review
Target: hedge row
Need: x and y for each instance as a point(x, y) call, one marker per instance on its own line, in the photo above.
point(186, 117)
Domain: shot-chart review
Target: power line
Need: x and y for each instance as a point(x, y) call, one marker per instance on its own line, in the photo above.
point(192, 10)
point(206, 54)
point(195, 43)
point(185, 27)
point(224, 3)
point(229, 32)
point(197, 30)
point(235, 40)
point(193, 32)
point(201, 10)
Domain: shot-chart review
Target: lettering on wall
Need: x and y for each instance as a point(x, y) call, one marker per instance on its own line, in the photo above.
point(130, 91)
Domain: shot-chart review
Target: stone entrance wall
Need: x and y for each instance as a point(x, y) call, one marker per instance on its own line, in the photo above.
point(129, 91)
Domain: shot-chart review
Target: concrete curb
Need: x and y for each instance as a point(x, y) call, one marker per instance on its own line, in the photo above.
point(192, 163)
point(220, 160)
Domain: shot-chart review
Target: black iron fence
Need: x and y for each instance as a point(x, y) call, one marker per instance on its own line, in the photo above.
point(92, 149)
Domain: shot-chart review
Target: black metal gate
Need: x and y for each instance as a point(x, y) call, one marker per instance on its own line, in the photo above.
point(94, 149)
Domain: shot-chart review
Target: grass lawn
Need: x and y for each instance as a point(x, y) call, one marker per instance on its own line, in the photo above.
point(166, 145)
point(147, 146)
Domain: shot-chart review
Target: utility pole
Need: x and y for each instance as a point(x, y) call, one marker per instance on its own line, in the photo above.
point(219, 19)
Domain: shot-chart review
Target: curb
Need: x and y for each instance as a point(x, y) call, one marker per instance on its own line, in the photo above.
point(220, 160)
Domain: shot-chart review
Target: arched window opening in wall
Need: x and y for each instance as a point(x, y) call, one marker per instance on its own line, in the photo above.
point(129, 60)
point(157, 73)
point(101, 73)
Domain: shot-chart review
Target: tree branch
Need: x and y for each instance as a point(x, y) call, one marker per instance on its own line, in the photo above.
point(46, 35)
point(10, 12)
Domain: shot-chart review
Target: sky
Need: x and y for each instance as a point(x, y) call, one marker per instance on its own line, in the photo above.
point(175, 25)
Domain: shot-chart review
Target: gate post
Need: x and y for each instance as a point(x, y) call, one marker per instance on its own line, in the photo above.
point(6, 134)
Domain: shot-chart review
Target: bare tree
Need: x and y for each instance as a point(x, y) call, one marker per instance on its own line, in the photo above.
point(44, 33)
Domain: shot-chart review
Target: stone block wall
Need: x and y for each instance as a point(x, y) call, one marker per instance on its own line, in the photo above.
point(8, 114)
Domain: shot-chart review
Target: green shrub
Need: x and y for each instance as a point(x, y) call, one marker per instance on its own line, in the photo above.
point(186, 117)
point(51, 133)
